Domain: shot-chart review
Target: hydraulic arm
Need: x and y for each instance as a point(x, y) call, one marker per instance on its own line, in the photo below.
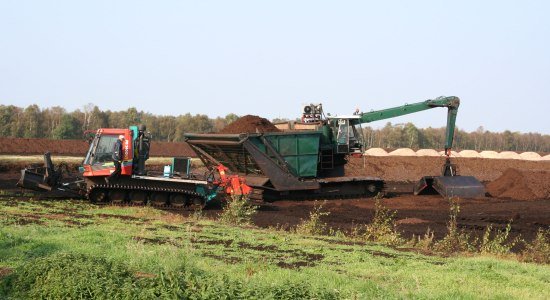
point(452, 103)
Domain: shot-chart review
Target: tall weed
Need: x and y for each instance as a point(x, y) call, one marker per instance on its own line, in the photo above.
point(238, 211)
point(538, 251)
point(456, 240)
point(382, 228)
point(314, 225)
point(497, 242)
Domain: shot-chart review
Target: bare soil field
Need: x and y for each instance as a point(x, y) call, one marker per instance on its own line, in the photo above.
point(21, 146)
point(519, 191)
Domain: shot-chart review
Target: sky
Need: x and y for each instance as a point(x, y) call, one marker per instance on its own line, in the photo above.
point(267, 58)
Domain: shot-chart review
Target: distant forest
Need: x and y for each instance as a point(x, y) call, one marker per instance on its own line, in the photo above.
point(57, 123)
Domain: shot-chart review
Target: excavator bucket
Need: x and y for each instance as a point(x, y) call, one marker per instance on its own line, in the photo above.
point(450, 186)
point(40, 178)
point(32, 180)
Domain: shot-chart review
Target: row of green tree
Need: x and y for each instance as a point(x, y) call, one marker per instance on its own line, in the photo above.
point(57, 123)
point(409, 136)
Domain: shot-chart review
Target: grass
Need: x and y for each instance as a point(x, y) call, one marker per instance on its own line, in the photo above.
point(141, 252)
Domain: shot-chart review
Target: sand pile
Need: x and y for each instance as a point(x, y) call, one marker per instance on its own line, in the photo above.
point(530, 156)
point(521, 185)
point(509, 155)
point(547, 157)
point(376, 152)
point(403, 152)
point(469, 153)
point(427, 152)
point(250, 124)
point(489, 154)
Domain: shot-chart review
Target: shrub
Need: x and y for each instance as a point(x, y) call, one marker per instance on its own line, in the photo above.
point(314, 225)
point(497, 242)
point(538, 251)
point(424, 242)
point(456, 240)
point(238, 211)
point(382, 228)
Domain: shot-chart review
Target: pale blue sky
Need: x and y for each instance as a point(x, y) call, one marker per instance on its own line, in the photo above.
point(269, 57)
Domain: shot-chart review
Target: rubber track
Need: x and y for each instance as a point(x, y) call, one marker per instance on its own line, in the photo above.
point(129, 188)
point(321, 196)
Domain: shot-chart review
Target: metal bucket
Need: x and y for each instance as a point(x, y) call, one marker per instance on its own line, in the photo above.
point(450, 186)
point(33, 180)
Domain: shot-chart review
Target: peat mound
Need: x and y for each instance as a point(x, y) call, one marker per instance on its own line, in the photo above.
point(521, 185)
point(249, 124)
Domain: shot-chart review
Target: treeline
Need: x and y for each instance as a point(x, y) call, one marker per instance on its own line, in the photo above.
point(57, 123)
point(409, 136)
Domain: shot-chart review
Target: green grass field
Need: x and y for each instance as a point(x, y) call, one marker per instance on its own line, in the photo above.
point(61, 249)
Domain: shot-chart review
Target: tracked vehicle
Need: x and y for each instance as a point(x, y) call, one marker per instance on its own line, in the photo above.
point(304, 163)
point(175, 187)
point(308, 160)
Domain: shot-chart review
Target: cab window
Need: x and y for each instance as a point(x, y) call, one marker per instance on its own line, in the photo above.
point(104, 149)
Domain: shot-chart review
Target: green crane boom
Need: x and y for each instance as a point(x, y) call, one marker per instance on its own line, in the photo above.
point(452, 103)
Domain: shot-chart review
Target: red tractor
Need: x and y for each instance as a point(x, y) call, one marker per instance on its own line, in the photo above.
point(175, 187)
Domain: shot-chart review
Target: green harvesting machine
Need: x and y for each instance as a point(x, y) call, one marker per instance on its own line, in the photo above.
point(309, 163)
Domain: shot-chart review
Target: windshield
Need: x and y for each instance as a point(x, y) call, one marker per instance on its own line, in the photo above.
point(104, 149)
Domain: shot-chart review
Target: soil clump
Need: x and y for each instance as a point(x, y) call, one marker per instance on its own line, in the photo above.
point(249, 124)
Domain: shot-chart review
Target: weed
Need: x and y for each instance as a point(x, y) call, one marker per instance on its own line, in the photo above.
point(197, 215)
point(497, 244)
point(314, 225)
point(383, 229)
point(456, 240)
point(238, 211)
point(424, 242)
point(538, 251)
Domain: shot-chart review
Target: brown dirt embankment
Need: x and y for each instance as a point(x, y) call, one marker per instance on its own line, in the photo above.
point(23, 146)
point(411, 169)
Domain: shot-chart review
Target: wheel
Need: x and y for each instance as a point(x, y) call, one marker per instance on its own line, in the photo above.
point(98, 196)
point(372, 188)
point(178, 200)
point(117, 196)
point(138, 197)
point(197, 203)
point(159, 199)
